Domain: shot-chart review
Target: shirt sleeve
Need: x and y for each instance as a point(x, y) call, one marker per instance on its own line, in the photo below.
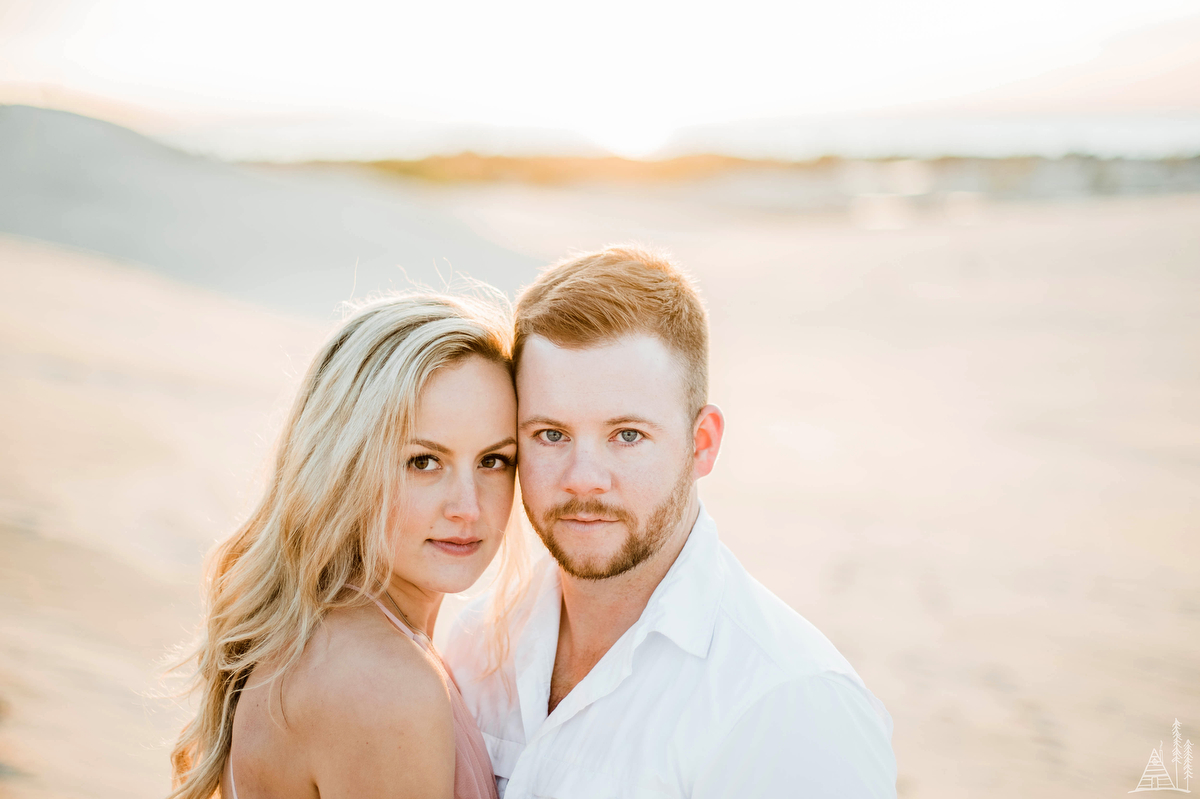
point(817, 737)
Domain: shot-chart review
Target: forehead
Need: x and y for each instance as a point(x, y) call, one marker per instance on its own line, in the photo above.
point(632, 375)
point(470, 397)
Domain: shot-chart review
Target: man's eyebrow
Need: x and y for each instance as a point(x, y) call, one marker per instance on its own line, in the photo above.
point(638, 420)
point(433, 445)
point(541, 420)
point(508, 442)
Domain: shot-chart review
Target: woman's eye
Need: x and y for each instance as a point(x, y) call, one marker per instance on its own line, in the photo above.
point(553, 436)
point(629, 436)
point(423, 463)
point(495, 462)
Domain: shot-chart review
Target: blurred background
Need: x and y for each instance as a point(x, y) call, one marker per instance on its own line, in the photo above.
point(951, 253)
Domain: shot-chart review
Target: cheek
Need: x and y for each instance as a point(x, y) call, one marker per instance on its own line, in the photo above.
point(411, 523)
point(537, 472)
point(496, 499)
point(649, 480)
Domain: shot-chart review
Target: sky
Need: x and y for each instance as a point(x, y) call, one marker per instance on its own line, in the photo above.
point(622, 74)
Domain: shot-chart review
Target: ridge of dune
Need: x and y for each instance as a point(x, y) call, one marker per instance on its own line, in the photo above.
point(294, 239)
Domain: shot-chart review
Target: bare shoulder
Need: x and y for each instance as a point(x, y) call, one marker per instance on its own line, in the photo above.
point(373, 707)
point(360, 670)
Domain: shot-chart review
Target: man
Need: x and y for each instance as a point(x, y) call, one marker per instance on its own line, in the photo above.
point(642, 660)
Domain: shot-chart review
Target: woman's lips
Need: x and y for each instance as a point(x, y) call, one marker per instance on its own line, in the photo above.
point(457, 546)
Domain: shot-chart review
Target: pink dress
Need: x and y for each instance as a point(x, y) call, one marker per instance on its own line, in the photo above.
point(473, 778)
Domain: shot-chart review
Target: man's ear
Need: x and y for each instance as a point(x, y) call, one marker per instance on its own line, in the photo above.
point(706, 437)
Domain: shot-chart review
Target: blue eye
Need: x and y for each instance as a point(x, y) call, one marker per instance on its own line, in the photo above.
point(629, 436)
point(553, 436)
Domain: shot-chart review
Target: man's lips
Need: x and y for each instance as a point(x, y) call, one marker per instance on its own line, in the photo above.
point(457, 546)
point(585, 524)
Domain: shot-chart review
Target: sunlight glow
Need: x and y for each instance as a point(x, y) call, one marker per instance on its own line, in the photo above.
point(622, 74)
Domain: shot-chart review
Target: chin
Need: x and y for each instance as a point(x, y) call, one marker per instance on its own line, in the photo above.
point(591, 558)
point(448, 586)
point(450, 581)
point(592, 552)
point(454, 578)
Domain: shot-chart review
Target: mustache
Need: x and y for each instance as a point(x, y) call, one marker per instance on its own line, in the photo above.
point(587, 507)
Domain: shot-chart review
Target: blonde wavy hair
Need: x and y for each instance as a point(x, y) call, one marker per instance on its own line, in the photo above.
point(322, 522)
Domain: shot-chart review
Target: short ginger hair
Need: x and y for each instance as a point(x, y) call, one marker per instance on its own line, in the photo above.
point(597, 297)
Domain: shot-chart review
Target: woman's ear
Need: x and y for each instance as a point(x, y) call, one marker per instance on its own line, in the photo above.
point(706, 439)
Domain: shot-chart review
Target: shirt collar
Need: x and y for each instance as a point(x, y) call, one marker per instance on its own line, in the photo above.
point(534, 649)
point(684, 606)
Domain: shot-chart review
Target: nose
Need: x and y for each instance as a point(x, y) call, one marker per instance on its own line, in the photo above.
point(463, 503)
point(585, 474)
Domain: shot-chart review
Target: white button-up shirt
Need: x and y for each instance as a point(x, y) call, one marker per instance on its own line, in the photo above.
point(718, 690)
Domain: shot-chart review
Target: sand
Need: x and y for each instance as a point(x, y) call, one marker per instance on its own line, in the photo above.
point(134, 412)
point(969, 453)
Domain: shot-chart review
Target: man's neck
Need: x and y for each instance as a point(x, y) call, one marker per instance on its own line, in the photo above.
point(596, 613)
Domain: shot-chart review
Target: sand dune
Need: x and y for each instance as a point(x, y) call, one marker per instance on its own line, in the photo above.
point(295, 239)
point(971, 455)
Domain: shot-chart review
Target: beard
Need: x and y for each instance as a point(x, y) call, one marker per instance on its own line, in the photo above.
point(641, 543)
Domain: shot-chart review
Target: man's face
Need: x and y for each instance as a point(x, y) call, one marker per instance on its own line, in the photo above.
point(605, 451)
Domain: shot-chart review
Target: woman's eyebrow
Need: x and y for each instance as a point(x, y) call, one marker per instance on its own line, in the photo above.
point(433, 445)
point(508, 442)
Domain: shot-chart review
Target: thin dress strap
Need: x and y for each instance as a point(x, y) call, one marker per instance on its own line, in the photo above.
point(404, 628)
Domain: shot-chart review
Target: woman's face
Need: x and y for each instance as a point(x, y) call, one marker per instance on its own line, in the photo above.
point(460, 472)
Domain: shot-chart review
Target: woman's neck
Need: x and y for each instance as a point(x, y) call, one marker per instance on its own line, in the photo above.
point(418, 607)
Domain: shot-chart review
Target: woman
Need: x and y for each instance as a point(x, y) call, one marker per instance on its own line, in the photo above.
point(392, 486)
